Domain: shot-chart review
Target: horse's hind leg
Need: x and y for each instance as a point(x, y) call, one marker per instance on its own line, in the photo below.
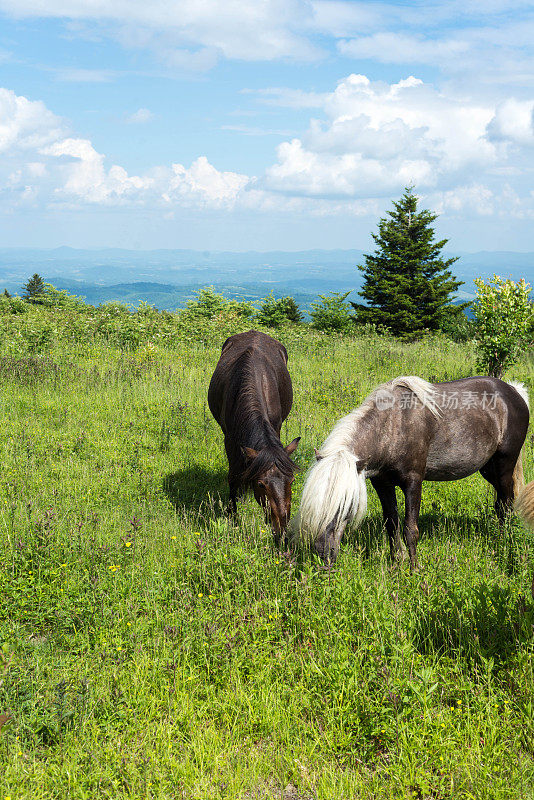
point(499, 472)
point(412, 487)
point(386, 494)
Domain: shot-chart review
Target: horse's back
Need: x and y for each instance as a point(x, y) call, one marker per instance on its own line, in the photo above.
point(479, 418)
point(257, 363)
point(259, 342)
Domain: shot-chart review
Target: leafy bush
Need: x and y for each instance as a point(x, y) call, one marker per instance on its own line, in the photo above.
point(209, 304)
point(457, 326)
point(273, 312)
point(13, 305)
point(37, 336)
point(332, 314)
point(503, 318)
point(59, 298)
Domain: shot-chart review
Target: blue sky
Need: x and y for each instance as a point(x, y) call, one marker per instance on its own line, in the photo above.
point(273, 124)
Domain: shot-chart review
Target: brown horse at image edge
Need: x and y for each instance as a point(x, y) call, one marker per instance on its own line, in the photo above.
point(250, 395)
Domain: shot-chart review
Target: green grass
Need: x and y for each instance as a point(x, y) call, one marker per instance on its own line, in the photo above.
point(151, 649)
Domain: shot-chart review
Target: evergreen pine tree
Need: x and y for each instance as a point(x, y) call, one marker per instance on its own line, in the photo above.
point(6, 294)
point(407, 284)
point(33, 288)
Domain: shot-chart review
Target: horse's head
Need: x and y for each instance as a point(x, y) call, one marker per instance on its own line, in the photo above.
point(271, 479)
point(334, 494)
point(326, 545)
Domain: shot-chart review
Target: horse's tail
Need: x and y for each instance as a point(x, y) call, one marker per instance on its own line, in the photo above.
point(521, 389)
point(518, 477)
point(334, 490)
point(524, 504)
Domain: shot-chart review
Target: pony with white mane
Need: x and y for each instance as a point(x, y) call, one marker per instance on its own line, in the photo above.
point(405, 432)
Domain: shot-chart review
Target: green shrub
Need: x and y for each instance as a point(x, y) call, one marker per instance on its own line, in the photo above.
point(13, 305)
point(209, 304)
point(37, 336)
point(59, 298)
point(332, 314)
point(273, 312)
point(503, 318)
point(457, 326)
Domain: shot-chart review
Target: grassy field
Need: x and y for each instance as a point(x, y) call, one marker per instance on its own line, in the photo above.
point(151, 649)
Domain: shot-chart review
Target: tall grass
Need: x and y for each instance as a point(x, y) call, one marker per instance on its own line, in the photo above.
point(152, 649)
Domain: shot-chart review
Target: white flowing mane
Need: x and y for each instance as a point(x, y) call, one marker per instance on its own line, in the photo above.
point(334, 488)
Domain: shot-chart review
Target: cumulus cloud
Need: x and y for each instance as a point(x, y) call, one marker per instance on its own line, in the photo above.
point(202, 184)
point(25, 124)
point(368, 142)
point(42, 162)
point(378, 137)
point(477, 197)
point(513, 122)
point(84, 175)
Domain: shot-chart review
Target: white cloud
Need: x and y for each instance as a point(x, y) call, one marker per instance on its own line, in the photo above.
point(25, 124)
point(476, 197)
point(140, 116)
point(250, 130)
point(488, 42)
point(312, 174)
point(42, 163)
point(513, 122)
point(401, 48)
point(238, 29)
point(483, 44)
point(342, 18)
point(71, 75)
point(378, 137)
point(480, 46)
point(202, 184)
point(85, 177)
point(372, 139)
point(291, 98)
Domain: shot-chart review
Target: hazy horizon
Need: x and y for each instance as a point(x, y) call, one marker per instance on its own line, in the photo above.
point(168, 277)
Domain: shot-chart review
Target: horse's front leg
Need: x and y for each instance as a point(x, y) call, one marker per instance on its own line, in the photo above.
point(388, 500)
point(412, 487)
point(234, 485)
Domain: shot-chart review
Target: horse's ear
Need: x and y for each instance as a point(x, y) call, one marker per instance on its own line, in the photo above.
point(318, 456)
point(292, 446)
point(249, 452)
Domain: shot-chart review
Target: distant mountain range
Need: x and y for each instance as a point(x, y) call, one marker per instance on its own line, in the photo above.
point(167, 278)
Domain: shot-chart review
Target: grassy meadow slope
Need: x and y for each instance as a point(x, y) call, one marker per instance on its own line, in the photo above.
point(152, 649)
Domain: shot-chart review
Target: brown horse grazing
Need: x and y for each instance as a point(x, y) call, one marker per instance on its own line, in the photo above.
point(405, 432)
point(524, 505)
point(250, 395)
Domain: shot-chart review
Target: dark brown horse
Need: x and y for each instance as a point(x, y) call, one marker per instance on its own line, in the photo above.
point(405, 432)
point(250, 395)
